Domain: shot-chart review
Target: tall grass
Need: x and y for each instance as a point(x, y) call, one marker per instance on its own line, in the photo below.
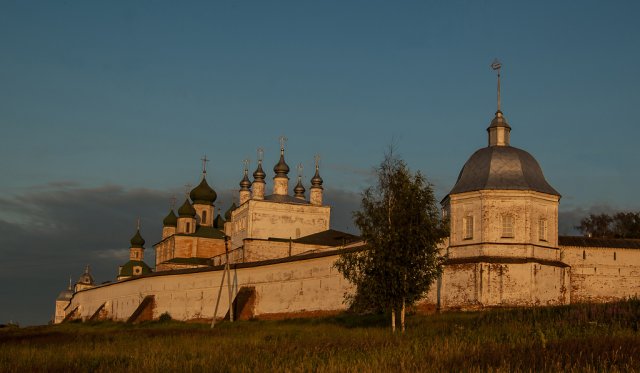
point(586, 337)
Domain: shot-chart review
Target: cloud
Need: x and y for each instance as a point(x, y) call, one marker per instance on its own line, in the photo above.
point(570, 218)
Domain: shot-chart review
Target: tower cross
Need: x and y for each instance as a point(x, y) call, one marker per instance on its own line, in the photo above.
point(186, 188)
point(317, 159)
point(283, 140)
point(246, 162)
point(173, 202)
point(496, 66)
point(204, 160)
point(300, 169)
point(260, 154)
point(138, 223)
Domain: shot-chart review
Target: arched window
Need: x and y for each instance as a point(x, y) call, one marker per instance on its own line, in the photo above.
point(507, 226)
point(542, 229)
point(204, 217)
point(467, 223)
point(188, 230)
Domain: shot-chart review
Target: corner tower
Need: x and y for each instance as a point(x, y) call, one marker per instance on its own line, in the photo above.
point(504, 226)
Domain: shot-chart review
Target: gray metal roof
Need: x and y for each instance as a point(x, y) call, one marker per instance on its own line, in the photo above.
point(502, 168)
point(285, 199)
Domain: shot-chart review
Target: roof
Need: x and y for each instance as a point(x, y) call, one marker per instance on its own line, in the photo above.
point(581, 241)
point(65, 295)
point(186, 210)
point(127, 268)
point(502, 168)
point(285, 199)
point(203, 193)
point(330, 237)
point(171, 220)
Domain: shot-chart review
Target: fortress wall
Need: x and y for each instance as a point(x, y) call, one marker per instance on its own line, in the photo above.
point(290, 287)
point(602, 274)
point(485, 284)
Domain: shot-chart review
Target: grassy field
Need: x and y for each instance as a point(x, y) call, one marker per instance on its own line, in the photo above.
point(581, 338)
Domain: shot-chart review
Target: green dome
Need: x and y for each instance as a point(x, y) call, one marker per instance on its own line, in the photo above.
point(186, 210)
point(227, 215)
point(171, 220)
point(203, 194)
point(299, 189)
point(281, 169)
point(245, 184)
point(316, 180)
point(137, 240)
point(258, 174)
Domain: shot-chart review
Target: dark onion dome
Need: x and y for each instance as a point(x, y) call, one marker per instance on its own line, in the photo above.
point(137, 240)
point(281, 168)
point(299, 189)
point(218, 222)
point(245, 184)
point(258, 174)
point(227, 214)
point(316, 180)
point(171, 220)
point(86, 277)
point(186, 210)
point(502, 168)
point(203, 194)
point(129, 269)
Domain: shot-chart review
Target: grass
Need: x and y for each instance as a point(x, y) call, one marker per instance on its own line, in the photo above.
point(585, 337)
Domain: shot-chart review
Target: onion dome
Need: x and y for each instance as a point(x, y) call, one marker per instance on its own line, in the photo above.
point(245, 184)
point(137, 240)
point(203, 194)
point(258, 174)
point(499, 121)
point(281, 168)
point(316, 180)
point(65, 295)
point(299, 189)
point(227, 214)
point(86, 278)
point(186, 210)
point(171, 220)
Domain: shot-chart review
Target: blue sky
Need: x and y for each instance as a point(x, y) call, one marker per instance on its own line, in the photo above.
point(107, 107)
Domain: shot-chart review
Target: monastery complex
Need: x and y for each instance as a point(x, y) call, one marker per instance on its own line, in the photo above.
point(278, 250)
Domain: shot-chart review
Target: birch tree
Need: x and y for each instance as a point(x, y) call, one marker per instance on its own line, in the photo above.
point(402, 226)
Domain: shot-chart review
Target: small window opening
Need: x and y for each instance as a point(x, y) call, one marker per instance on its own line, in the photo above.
point(542, 229)
point(204, 217)
point(614, 255)
point(188, 227)
point(507, 226)
point(468, 227)
point(584, 254)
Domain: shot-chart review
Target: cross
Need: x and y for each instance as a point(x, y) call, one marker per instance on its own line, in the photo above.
point(260, 154)
point(204, 164)
point(246, 165)
point(173, 201)
point(496, 66)
point(186, 188)
point(138, 223)
point(282, 141)
point(317, 159)
point(300, 168)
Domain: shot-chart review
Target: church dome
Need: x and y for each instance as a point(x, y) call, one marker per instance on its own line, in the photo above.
point(137, 240)
point(171, 220)
point(186, 210)
point(259, 174)
point(281, 168)
point(86, 278)
point(227, 214)
point(502, 168)
point(203, 193)
point(65, 295)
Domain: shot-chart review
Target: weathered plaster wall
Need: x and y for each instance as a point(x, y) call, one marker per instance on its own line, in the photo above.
point(306, 285)
point(601, 274)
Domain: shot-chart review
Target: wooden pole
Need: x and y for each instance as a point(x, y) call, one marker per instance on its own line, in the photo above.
point(402, 315)
point(226, 249)
point(215, 312)
point(393, 320)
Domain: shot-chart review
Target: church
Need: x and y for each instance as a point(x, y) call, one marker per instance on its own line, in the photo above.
point(279, 249)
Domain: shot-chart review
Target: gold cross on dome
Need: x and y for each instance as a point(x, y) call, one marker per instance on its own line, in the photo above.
point(204, 163)
point(260, 154)
point(283, 140)
point(317, 159)
point(173, 201)
point(187, 187)
point(300, 169)
point(246, 164)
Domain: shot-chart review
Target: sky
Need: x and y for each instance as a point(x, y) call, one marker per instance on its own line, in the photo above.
point(107, 107)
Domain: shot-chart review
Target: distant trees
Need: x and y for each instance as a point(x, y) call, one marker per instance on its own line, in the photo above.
point(618, 225)
point(401, 224)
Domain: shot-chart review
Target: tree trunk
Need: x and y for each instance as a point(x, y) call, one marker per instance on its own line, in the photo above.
point(393, 320)
point(402, 315)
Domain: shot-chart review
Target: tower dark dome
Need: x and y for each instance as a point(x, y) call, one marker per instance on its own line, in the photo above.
point(171, 220)
point(245, 184)
point(186, 210)
point(299, 189)
point(137, 240)
point(203, 194)
point(281, 168)
point(316, 180)
point(502, 168)
point(258, 174)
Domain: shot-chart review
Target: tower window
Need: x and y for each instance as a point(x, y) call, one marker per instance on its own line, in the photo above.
point(204, 217)
point(188, 228)
point(507, 226)
point(468, 227)
point(614, 255)
point(542, 229)
point(584, 254)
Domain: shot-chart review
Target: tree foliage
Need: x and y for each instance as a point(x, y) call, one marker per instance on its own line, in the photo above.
point(618, 225)
point(402, 226)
